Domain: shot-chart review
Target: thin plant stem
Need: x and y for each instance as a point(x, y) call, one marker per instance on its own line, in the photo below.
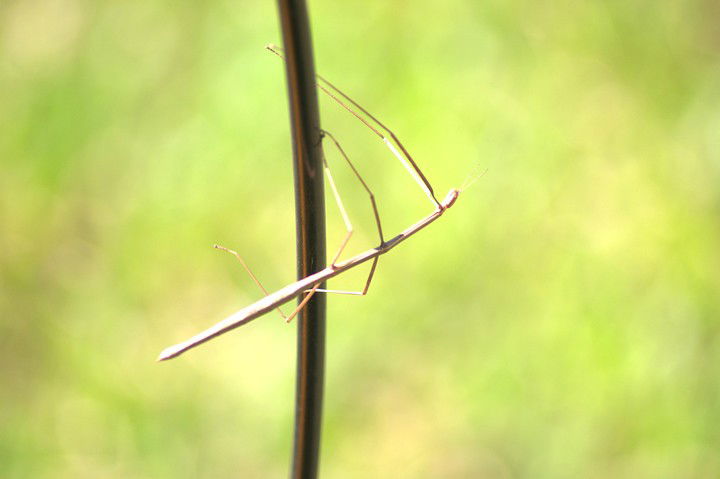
point(310, 224)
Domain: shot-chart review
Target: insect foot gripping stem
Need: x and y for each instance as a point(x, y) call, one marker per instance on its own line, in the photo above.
point(450, 199)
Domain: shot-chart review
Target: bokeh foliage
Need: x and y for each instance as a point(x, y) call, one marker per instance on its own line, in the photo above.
point(561, 321)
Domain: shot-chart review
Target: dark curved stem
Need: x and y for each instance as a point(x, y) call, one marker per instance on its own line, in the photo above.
point(310, 223)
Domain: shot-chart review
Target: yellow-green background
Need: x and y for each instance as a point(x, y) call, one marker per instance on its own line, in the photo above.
point(561, 321)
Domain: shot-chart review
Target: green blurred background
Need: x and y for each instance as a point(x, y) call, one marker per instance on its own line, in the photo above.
point(561, 321)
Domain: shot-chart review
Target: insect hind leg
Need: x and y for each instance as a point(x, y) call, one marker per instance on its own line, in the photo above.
point(346, 219)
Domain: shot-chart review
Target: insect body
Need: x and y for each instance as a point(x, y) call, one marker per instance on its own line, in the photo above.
point(310, 284)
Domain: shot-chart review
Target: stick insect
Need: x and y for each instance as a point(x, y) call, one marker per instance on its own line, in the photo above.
point(310, 284)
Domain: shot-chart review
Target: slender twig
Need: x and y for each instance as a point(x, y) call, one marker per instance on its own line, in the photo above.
point(310, 221)
point(310, 224)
